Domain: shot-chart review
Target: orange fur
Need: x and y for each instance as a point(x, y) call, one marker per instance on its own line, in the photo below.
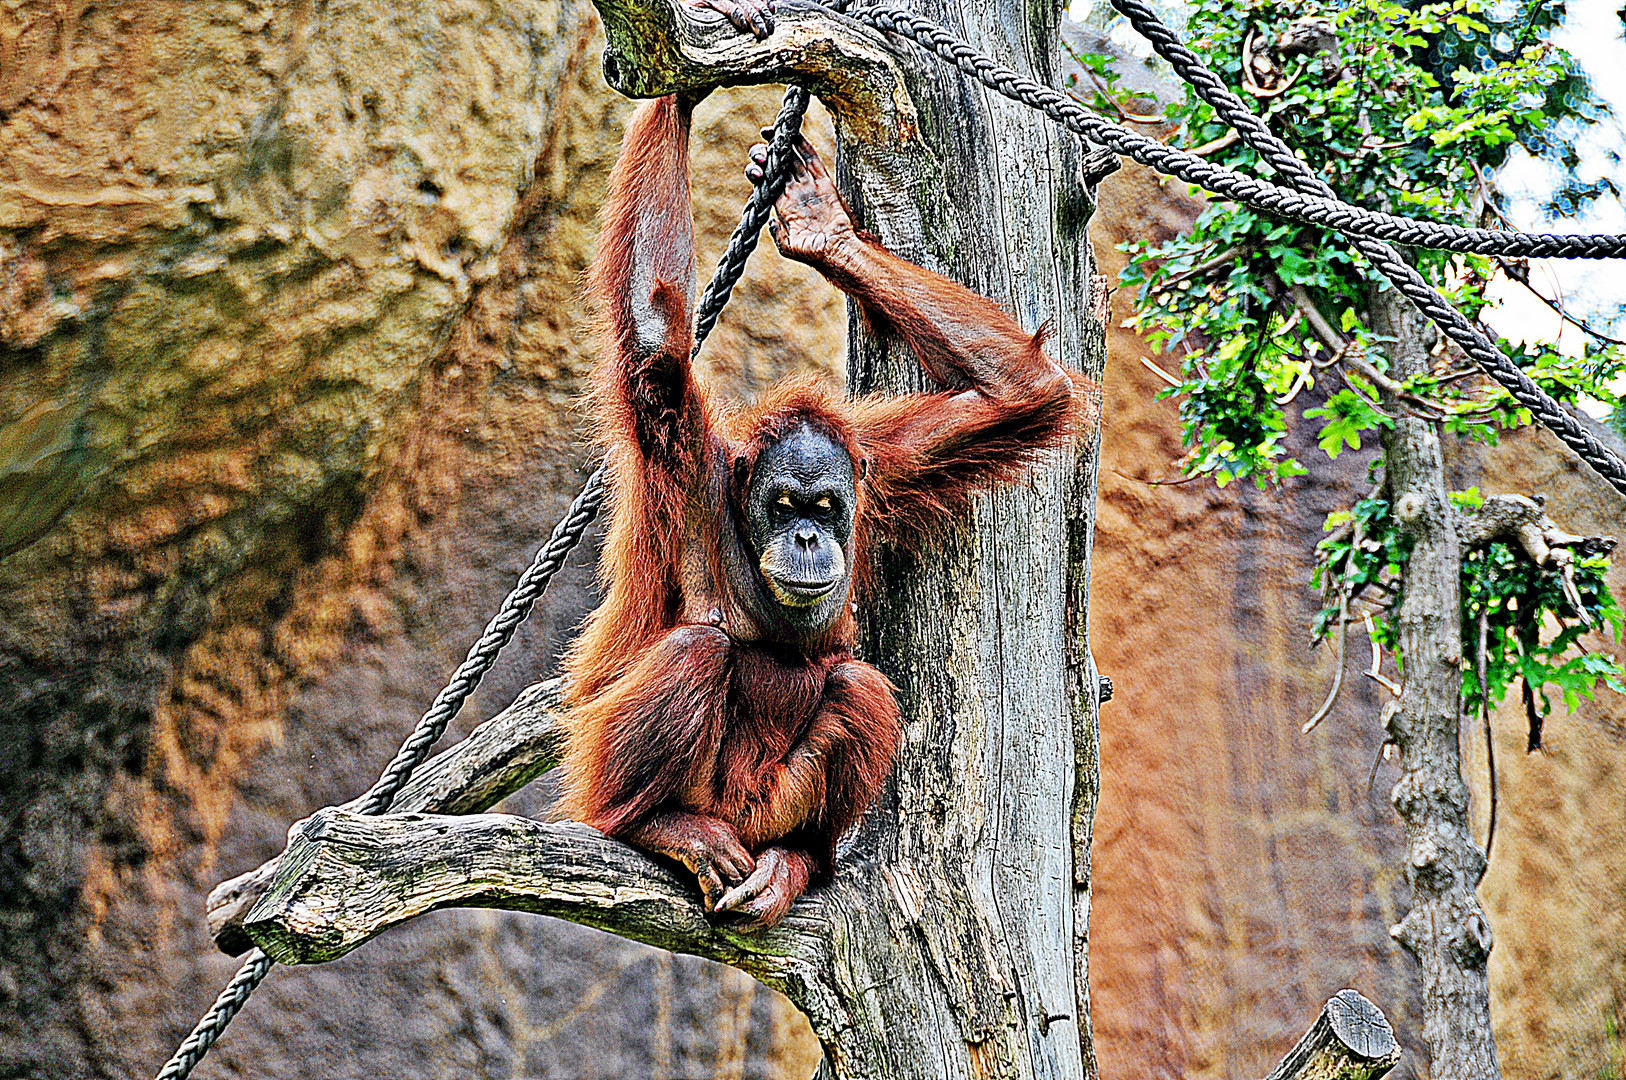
point(687, 714)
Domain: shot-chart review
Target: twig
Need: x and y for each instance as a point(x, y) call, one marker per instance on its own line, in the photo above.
point(1338, 672)
point(1216, 145)
point(1368, 402)
point(1299, 384)
point(1160, 373)
point(1209, 265)
point(1106, 92)
point(1566, 571)
point(1490, 742)
point(1377, 657)
point(1248, 82)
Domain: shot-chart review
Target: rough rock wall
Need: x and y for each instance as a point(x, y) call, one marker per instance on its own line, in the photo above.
point(1245, 872)
point(289, 346)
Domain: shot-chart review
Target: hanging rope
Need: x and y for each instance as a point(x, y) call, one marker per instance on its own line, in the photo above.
point(498, 633)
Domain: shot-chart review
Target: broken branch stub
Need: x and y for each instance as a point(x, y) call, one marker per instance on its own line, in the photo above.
point(1350, 1040)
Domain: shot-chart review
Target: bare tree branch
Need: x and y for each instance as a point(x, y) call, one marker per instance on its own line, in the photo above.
point(347, 877)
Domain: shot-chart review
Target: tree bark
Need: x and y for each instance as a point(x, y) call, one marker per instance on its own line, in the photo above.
point(1446, 929)
point(989, 815)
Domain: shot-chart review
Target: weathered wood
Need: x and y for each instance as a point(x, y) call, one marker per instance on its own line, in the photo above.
point(498, 758)
point(986, 829)
point(347, 877)
point(1350, 1040)
point(658, 47)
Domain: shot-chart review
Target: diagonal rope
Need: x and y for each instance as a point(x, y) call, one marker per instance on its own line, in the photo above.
point(1306, 206)
point(1075, 117)
point(498, 633)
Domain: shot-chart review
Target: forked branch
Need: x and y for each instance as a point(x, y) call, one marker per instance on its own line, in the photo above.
point(346, 878)
point(498, 758)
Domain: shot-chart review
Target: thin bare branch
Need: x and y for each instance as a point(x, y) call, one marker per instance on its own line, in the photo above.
point(1375, 674)
point(1338, 671)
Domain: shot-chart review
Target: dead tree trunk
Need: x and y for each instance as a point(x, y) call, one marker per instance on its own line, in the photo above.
point(953, 942)
point(992, 803)
point(1446, 929)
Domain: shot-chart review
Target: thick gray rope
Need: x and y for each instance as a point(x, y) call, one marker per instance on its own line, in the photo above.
point(1075, 117)
point(1304, 207)
point(1405, 277)
point(532, 583)
point(483, 654)
point(787, 129)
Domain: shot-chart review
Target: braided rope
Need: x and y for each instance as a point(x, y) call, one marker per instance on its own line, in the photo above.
point(226, 1006)
point(1402, 274)
point(498, 633)
point(531, 584)
point(1305, 207)
point(787, 128)
point(1075, 117)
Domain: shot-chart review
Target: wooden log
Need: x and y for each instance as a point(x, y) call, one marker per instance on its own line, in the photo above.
point(347, 877)
point(1350, 1040)
point(498, 758)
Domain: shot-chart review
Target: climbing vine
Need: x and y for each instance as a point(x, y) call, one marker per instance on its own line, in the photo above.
point(1408, 109)
point(1533, 623)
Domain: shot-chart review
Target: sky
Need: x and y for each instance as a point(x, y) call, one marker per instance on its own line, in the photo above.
point(1595, 35)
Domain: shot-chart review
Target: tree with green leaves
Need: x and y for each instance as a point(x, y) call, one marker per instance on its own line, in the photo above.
point(1407, 108)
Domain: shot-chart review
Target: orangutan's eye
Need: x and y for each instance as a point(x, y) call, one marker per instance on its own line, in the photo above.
point(784, 499)
point(823, 503)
